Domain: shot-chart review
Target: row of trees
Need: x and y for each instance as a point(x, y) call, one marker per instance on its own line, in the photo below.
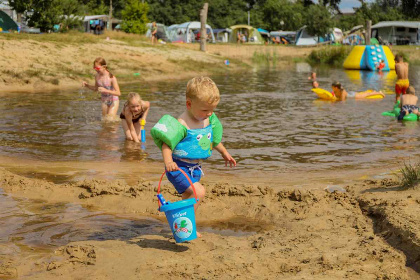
point(267, 14)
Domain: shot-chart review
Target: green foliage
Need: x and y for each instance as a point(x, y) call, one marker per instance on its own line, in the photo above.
point(267, 14)
point(331, 55)
point(20, 6)
point(276, 12)
point(318, 20)
point(224, 13)
point(265, 57)
point(70, 16)
point(409, 175)
point(134, 17)
point(175, 11)
point(45, 14)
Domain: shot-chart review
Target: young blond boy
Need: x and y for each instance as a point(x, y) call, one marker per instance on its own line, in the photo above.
point(202, 97)
point(409, 103)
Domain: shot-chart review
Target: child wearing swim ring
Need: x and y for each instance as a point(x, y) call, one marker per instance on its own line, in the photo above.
point(342, 94)
point(107, 85)
point(409, 103)
point(200, 132)
point(133, 116)
point(339, 91)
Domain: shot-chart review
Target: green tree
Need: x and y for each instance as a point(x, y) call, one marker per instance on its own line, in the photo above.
point(20, 6)
point(70, 15)
point(282, 15)
point(134, 17)
point(318, 20)
point(45, 13)
point(175, 11)
point(411, 8)
point(224, 13)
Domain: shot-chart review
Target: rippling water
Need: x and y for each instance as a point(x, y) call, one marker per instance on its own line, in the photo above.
point(271, 118)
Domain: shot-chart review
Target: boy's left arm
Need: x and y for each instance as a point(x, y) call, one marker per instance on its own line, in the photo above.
point(225, 154)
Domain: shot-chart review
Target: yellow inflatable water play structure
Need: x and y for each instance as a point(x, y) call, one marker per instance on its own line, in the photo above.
point(367, 57)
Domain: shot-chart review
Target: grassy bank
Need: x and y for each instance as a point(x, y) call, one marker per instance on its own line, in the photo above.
point(47, 61)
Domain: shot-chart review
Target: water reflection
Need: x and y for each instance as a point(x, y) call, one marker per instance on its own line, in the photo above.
point(271, 118)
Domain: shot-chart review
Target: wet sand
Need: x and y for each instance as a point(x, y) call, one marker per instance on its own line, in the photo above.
point(250, 231)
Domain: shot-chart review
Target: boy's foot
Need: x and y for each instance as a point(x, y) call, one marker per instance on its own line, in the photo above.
point(199, 234)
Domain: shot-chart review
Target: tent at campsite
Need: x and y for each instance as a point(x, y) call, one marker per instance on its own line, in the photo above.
point(222, 35)
point(248, 33)
point(265, 35)
point(304, 39)
point(189, 32)
point(7, 23)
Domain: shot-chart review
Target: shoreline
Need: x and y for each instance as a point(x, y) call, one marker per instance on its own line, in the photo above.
point(295, 233)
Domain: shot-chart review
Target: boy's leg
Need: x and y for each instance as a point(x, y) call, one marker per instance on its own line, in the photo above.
point(402, 115)
point(189, 193)
point(200, 191)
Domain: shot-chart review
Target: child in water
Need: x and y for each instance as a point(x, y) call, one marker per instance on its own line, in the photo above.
point(402, 84)
point(202, 97)
point(133, 116)
point(107, 85)
point(339, 91)
point(409, 103)
point(313, 79)
point(342, 94)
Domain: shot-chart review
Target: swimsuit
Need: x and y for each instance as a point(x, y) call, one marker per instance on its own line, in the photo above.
point(107, 98)
point(135, 118)
point(198, 144)
point(401, 86)
point(406, 108)
point(409, 108)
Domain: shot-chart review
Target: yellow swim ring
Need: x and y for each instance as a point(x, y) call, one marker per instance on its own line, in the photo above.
point(324, 94)
point(369, 94)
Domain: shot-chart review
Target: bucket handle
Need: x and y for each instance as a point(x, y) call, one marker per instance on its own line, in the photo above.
point(186, 176)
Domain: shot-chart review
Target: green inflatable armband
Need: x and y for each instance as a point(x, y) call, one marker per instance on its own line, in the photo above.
point(217, 127)
point(168, 130)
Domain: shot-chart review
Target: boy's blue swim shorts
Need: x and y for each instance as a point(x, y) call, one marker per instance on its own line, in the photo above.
point(180, 182)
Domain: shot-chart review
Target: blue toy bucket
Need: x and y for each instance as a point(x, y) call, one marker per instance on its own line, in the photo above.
point(180, 214)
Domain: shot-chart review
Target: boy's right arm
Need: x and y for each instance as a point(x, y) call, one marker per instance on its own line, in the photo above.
point(170, 165)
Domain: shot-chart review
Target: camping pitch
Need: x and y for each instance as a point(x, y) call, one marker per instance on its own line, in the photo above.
point(247, 34)
point(6, 23)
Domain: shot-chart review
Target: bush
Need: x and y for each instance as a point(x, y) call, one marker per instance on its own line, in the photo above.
point(331, 55)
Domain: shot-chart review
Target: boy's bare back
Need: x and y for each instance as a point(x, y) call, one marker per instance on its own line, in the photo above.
point(401, 68)
point(409, 99)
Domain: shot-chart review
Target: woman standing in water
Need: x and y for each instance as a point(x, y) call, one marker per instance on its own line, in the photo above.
point(107, 85)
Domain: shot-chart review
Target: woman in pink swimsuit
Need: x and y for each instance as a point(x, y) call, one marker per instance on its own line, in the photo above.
point(107, 85)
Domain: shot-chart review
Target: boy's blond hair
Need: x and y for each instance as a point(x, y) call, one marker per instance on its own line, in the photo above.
point(204, 89)
point(411, 90)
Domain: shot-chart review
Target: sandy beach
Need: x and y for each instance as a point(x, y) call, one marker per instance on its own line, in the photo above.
point(255, 225)
point(369, 231)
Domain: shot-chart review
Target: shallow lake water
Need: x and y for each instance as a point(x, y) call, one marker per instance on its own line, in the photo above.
point(272, 122)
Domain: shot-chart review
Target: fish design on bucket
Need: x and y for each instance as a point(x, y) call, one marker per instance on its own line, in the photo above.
point(182, 227)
